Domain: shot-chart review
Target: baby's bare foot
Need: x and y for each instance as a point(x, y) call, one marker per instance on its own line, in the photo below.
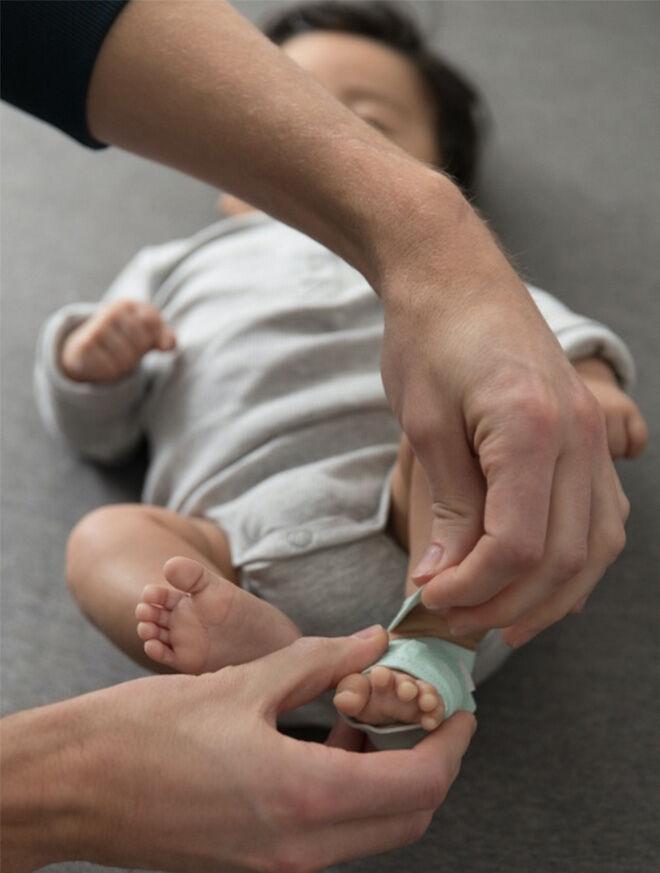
point(204, 622)
point(384, 696)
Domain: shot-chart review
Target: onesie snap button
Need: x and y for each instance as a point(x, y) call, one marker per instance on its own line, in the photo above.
point(300, 538)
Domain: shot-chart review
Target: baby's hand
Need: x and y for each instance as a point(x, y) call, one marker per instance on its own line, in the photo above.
point(627, 433)
point(111, 343)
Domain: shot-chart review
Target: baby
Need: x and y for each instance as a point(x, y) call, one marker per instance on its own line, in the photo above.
point(248, 355)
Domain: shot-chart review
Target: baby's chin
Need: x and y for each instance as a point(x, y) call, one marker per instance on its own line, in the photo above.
point(228, 205)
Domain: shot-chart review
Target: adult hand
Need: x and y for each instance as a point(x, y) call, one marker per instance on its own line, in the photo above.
point(529, 511)
point(189, 773)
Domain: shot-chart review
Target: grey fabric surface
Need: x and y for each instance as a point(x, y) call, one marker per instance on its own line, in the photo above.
point(562, 774)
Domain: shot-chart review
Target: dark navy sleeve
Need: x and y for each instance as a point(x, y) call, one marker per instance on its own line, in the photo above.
point(49, 48)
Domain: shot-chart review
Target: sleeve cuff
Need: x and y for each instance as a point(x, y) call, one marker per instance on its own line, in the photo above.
point(590, 339)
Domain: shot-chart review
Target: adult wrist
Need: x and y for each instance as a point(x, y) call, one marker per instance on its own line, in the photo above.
point(410, 221)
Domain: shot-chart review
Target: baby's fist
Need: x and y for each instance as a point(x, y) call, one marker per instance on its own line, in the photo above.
point(111, 343)
point(627, 433)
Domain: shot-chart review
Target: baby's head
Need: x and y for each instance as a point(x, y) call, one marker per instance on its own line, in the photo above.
point(372, 57)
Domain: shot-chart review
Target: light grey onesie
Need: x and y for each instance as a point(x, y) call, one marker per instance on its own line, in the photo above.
point(270, 417)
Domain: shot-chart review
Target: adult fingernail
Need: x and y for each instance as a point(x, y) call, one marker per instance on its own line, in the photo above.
point(430, 563)
point(368, 631)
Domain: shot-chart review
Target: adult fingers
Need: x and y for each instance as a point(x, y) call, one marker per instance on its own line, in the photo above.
point(515, 523)
point(300, 672)
point(351, 786)
point(606, 541)
point(566, 553)
point(355, 839)
point(457, 490)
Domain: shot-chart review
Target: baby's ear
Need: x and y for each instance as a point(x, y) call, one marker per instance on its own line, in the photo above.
point(229, 205)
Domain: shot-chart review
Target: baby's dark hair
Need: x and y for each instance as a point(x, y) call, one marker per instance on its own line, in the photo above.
point(459, 109)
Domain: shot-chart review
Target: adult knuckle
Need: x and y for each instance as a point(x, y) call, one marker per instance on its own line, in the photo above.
point(298, 801)
point(617, 542)
point(610, 543)
point(423, 431)
point(570, 561)
point(536, 411)
point(304, 805)
point(589, 417)
point(522, 552)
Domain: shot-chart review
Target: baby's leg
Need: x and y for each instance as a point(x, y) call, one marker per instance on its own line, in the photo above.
point(385, 695)
point(194, 616)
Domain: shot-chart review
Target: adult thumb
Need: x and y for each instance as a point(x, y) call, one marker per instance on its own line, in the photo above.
point(457, 491)
point(290, 677)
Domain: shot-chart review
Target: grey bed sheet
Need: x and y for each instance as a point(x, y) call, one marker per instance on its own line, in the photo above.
point(563, 772)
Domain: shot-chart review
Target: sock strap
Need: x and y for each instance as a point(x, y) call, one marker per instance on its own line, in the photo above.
point(442, 664)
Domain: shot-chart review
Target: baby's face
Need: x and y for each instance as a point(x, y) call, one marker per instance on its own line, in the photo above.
point(375, 82)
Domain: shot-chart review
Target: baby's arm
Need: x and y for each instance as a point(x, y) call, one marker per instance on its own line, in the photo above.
point(88, 380)
point(605, 365)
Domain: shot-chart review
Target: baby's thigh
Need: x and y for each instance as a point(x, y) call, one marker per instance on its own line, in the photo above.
point(400, 494)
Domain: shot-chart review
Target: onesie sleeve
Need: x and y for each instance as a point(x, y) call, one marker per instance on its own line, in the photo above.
point(48, 52)
point(101, 421)
point(582, 337)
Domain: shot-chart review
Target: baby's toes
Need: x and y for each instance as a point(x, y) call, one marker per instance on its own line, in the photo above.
point(145, 612)
point(162, 596)
point(431, 720)
point(149, 630)
point(431, 706)
point(159, 652)
point(406, 688)
point(382, 679)
point(352, 694)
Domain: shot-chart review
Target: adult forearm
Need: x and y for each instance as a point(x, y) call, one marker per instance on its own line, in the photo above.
point(47, 778)
point(192, 84)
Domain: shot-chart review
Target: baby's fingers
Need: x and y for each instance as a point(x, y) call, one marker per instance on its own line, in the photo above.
point(143, 325)
point(617, 436)
point(638, 434)
point(160, 335)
